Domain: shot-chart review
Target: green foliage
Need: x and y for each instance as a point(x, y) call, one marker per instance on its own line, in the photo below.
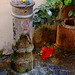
point(71, 13)
point(74, 3)
point(66, 2)
point(46, 13)
point(57, 1)
point(21, 36)
point(27, 2)
point(13, 56)
point(14, 47)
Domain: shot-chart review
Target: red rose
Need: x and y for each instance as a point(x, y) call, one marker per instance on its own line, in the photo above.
point(44, 49)
point(46, 52)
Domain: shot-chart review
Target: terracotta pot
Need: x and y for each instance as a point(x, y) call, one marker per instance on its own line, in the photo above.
point(66, 37)
point(65, 11)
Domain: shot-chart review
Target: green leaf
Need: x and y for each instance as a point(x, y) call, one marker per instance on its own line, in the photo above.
point(47, 4)
point(56, 1)
point(42, 21)
point(50, 55)
point(62, 23)
point(70, 13)
point(37, 9)
point(43, 16)
point(27, 2)
point(40, 13)
point(67, 2)
point(61, 5)
point(39, 19)
point(13, 56)
point(48, 0)
point(73, 12)
point(36, 15)
point(49, 19)
point(42, 6)
point(43, 11)
point(35, 20)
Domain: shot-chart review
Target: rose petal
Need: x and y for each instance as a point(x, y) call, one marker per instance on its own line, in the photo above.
point(46, 52)
point(43, 55)
point(44, 49)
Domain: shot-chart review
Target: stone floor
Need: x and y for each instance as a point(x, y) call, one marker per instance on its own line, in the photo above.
point(61, 63)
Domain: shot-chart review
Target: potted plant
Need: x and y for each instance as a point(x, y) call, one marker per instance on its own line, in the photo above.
point(68, 9)
point(46, 13)
point(45, 22)
point(66, 30)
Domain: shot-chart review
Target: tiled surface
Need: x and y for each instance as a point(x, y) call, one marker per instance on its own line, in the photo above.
point(49, 66)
